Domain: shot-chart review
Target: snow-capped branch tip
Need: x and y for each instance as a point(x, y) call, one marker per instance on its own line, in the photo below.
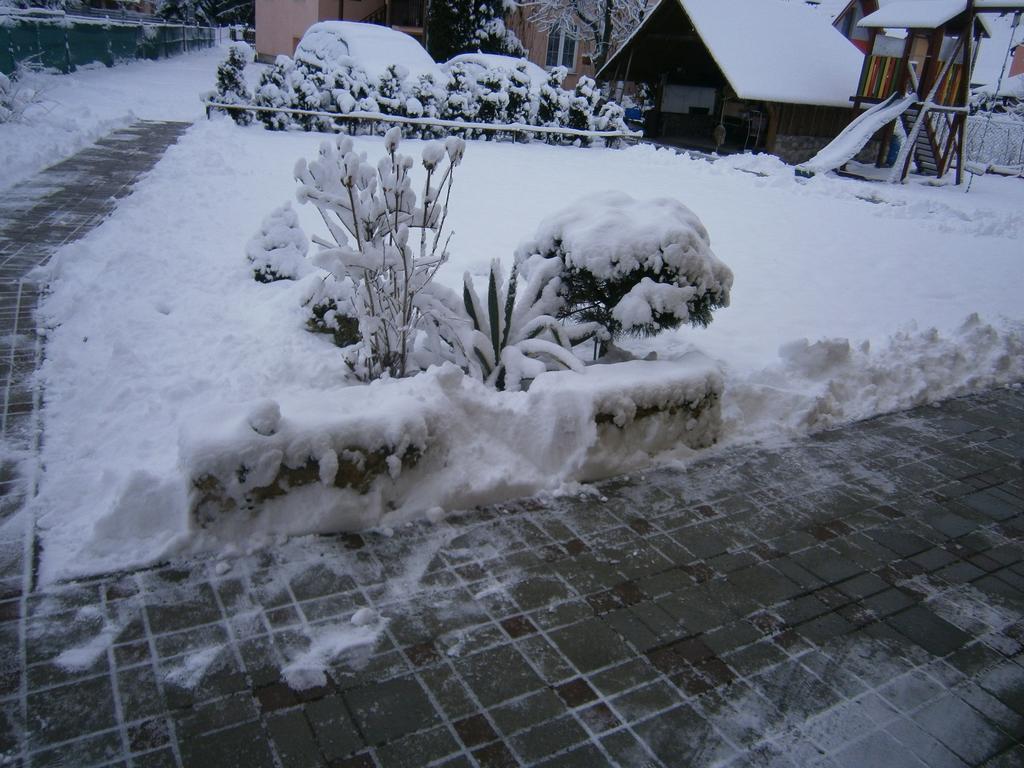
point(392, 139)
point(456, 148)
point(433, 153)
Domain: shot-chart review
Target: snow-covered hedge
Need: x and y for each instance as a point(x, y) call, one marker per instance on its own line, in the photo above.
point(358, 457)
point(498, 93)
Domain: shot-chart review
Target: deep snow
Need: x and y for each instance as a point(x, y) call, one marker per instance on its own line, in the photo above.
point(155, 315)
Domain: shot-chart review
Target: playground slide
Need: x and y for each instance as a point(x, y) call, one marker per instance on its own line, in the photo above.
point(847, 144)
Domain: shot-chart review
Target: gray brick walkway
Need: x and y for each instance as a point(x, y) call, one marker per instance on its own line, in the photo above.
point(55, 207)
point(852, 599)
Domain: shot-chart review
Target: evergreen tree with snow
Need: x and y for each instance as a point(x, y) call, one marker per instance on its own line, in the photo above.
point(450, 28)
point(520, 95)
point(231, 87)
point(461, 98)
point(469, 26)
point(430, 96)
point(211, 13)
point(491, 34)
point(582, 105)
point(493, 90)
point(552, 101)
point(274, 90)
point(390, 96)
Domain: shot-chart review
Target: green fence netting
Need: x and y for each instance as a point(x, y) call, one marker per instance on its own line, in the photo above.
point(65, 45)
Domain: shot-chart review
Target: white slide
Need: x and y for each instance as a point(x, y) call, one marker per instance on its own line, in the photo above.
point(853, 137)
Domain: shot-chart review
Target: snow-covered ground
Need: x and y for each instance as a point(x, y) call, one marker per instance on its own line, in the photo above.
point(73, 110)
point(849, 299)
point(155, 314)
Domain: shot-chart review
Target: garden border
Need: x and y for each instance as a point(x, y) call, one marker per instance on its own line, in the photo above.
point(380, 117)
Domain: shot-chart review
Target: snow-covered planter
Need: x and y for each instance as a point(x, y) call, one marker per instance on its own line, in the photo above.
point(633, 267)
point(357, 457)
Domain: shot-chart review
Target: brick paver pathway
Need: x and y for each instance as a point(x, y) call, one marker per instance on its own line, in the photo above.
point(852, 599)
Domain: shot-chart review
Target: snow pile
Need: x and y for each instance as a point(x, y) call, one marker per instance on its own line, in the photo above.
point(343, 458)
point(831, 381)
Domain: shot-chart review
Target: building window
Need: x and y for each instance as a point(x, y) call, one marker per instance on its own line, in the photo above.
point(561, 49)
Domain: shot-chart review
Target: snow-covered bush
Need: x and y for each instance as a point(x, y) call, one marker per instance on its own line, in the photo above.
point(231, 87)
point(517, 337)
point(633, 267)
point(552, 101)
point(390, 96)
point(430, 96)
point(462, 101)
point(389, 243)
point(493, 93)
point(275, 90)
point(18, 92)
point(278, 250)
point(520, 96)
point(330, 304)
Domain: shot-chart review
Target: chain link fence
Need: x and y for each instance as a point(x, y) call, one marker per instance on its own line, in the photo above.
point(995, 140)
point(65, 44)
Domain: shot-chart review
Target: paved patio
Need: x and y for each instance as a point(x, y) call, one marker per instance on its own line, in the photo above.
point(855, 598)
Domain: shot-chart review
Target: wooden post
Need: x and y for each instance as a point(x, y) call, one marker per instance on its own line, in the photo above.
point(965, 91)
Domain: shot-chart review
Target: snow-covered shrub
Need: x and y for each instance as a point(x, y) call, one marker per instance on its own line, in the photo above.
point(552, 101)
point(582, 106)
point(633, 267)
point(350, 88)
point(520, 95)
point(388, 243)
point(7, 100)
point(278, 250)
point(18, 92)
point(429, 95)
point(611, 117)
point(462, 100)
point(517, 337)
point(231, 87)
point(390, 97)
point(493, 93)
point(331, 307)
point(274, 90)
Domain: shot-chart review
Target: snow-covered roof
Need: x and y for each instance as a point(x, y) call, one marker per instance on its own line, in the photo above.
point(832, 8)
point(914, 14)
point(776, 51)
point(371, 46)
point(495, 61)
point(992, 56)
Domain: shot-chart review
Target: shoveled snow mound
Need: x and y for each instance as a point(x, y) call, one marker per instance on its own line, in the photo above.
point(472, 443)
point(374, 48)
point(821, 384)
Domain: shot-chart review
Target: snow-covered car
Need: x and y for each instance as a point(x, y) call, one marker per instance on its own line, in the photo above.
point(332, 44)
point(477, 63)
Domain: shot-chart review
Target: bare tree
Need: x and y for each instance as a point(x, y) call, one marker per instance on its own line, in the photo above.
point(605, 23)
